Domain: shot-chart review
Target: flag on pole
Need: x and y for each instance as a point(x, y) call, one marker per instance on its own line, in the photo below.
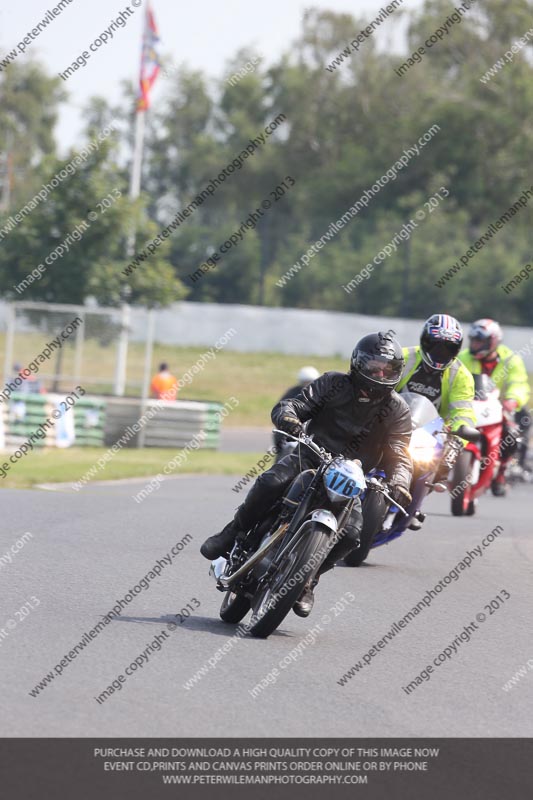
point(150, 64)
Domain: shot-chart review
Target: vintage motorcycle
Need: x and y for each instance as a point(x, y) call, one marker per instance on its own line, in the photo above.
point(479, 462)
point(434, 451)
point(267, 570)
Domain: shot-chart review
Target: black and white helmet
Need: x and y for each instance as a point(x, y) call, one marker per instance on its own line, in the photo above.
point(441, 341)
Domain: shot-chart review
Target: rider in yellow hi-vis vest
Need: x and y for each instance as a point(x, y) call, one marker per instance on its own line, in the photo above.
point(433, 370)
point(487, 355)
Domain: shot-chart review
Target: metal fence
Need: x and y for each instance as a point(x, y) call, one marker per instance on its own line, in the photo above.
point(51, 347)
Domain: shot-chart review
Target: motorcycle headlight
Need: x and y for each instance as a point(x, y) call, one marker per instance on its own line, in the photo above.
point(422, 446)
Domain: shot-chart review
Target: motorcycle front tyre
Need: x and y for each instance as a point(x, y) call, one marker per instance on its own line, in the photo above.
point(271, 604)
point(461, 502)
point(234, 607)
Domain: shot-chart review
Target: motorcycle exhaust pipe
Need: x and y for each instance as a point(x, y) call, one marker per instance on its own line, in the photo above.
point(228, 581)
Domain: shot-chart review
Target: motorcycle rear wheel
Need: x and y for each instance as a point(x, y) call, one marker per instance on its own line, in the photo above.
point(267, 612)
point(461, 503)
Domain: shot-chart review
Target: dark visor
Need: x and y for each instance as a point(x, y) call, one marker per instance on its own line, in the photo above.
point(443, 351)
point(379, 369)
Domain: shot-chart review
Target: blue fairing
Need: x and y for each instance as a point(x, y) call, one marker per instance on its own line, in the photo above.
point(432, 424)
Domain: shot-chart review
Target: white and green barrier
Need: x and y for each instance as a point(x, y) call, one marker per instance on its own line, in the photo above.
point(162, 423)
point(98, 421)
point(25, 413)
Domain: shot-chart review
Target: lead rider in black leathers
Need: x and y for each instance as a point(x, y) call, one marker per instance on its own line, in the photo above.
point(357, 415)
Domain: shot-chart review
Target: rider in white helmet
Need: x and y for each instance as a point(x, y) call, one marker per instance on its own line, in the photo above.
point(306, 376)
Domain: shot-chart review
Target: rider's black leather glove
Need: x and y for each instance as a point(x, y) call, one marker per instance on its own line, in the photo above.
point(400, 496)
point(469, 433)
point(291, 424)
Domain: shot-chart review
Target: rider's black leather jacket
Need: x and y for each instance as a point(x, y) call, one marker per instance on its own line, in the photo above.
point(378, 434)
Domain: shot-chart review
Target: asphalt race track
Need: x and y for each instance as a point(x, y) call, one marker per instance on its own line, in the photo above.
point(89, 548)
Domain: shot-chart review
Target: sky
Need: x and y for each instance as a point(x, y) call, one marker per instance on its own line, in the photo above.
point(201, 34)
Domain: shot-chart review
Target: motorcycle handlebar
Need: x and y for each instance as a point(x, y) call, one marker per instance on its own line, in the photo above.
point(303, 438)
point(378, 486)
point(373, 483)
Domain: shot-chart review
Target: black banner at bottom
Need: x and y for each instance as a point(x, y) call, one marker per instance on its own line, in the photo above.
point(492, 769)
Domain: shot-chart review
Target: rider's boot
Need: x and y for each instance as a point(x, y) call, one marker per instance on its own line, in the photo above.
point(304, 605)
point(221, 543)
point(499, 484)
point(416, 522)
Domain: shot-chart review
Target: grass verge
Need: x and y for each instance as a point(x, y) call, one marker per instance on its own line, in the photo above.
point(69, 466)
point(257, 380)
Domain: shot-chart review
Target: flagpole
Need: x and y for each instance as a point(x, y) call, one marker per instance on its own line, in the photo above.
point(136, 174)
point(138, 145)
point(135, 190)
point(134, 193)
point(138, 150)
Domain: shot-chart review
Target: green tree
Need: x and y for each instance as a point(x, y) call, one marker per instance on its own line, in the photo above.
point(29, 103)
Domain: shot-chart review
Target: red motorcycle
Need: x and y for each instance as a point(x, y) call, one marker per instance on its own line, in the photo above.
point(478, 463)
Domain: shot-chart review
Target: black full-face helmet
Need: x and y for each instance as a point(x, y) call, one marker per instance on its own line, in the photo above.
point(376, 366)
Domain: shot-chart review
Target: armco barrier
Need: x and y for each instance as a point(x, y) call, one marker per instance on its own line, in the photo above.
point(98, 421)
point(169, 424)
point(89, 416)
